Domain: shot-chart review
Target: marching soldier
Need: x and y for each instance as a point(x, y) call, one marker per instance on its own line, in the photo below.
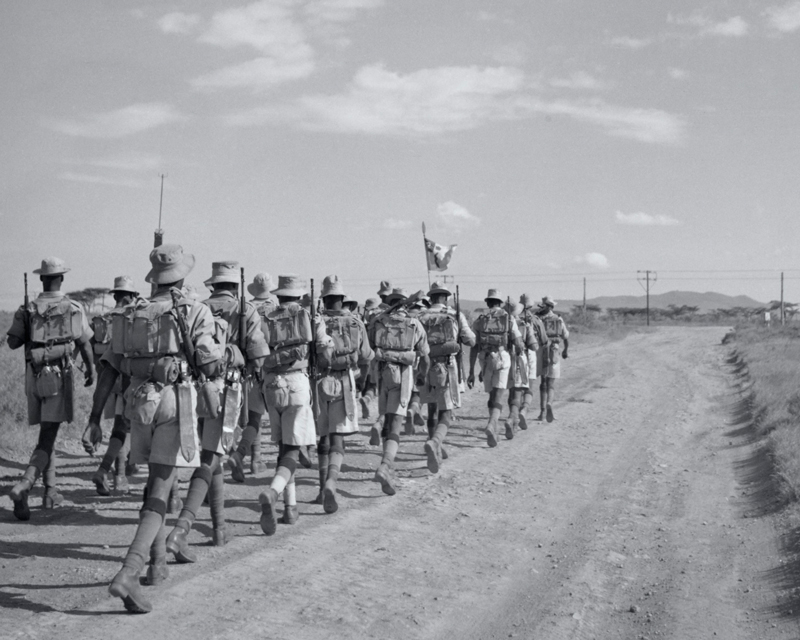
point(550, 366)
point(49, 327)
point(528, 317)
point(398, 340)
point(287, 393)
point(336, 388)
point(124, 293)
point(166, 345)
point(496, 332)
point(414, 415)
point(520, 375)
point(370, 387)
point(446, 331)
point(250, 443)
point(243, 355)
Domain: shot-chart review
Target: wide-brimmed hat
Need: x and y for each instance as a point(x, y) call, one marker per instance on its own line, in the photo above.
point(124, 284)
point(494, 294)
point(371, 303)
point(291, 286)
point(547, 301)
point(386, 288)
point(512, 307)
point(420, 300)
point(525, 300)
point(261, 286)
point(332, 286)
point(52, 266)
point(224, 271)
point(191, 292)
point(169, 264)
point(437, 288)
point(348, 300)
point(398, 293)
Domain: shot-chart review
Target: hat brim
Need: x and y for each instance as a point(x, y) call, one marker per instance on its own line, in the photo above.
point(218, 279)
point(45, 272)
point(290, 293)
point(392, 298)
point(257, 291)
point(332, 292)
point(385, 292)
point(440, 292)
point(122, 290)
point(493, 298)
point(172, 274)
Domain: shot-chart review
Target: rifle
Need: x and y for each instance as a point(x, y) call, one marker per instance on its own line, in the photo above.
point(188, 346)
point(312, 354)
point(26, 311)
point(243, 417)
point(459, 363)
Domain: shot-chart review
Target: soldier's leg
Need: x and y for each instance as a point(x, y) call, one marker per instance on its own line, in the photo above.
point(414, 415)
point(431, 422)
point(175, 503)
point(249, 441)
point(514, 402)
point(323, 460)
point(125, 584)
point(290, 512)
point(393, 424)
point(121, 463)
point(115, 444)
point(288, 456)
point(551, 383)
point(199, 486)
point(496, 400)
point(36, 465)
point(542, 397)
point(527, 400)
point(433, 447)
point(52, 498)
point(334, 467)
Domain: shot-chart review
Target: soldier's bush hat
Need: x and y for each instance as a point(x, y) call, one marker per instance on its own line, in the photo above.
point(291, 286)
point(512, 308)
point(52, 266)
point(224, 271)
point(371, 303)
point(332, 286)
point(494, 294)
point(191, 292)
point(547, 301)
point(350, 301)
point(261, 286)
point(124, 284)
point(437, 288)
point(385, 289)
point(525, 300)
point(169, 264)
point(397, 294)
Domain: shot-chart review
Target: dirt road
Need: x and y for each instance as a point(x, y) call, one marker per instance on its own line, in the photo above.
point(625, 518)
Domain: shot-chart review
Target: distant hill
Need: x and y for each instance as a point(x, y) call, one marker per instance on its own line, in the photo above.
point(707, 301)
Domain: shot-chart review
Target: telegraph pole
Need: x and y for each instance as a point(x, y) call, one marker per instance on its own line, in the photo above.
point(783, 322)
point(649, 275)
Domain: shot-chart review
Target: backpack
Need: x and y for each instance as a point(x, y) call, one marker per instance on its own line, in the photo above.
point(394, 338)
point(442, 329)
point(102, 328)
point(147, 328)
point(54, 323)
point(552, 326)
point(288, 333)
point(493, 328)
point(345, 331)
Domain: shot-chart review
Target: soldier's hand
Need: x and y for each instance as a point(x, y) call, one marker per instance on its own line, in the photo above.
point(92, 437)
point(564, 354)
point(471, 380)
point(88, 378)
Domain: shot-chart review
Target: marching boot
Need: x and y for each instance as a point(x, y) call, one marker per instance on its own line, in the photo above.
point(177, 543)
point(216, 503)
point(549, 407)
point(512, 422)
point(100, 479)
point(175, 502)
point(384, 476)
point(433, 447)
point(523, 411)
point(52, 498)
point(323, 460)
point(542, 403)
point(157, 570)
point(329, 503)
point(491, 427)
point(125, 585)
point(443, 451)
point(290, 512)
point(121, 484)
point(409, 430)
point(269, 520)
point(19, 493)
point(236, 465)
point(375, 434)
point(256, 465)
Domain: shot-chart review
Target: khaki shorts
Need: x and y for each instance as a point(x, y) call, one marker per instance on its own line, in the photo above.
point(54, 408)
point(395, 384)
point(333, 414)
point(552, 371)
point(288, 400)
point(495, 367)
point(160, 441)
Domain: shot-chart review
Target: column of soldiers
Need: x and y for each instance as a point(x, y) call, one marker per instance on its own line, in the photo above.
point(179, 375)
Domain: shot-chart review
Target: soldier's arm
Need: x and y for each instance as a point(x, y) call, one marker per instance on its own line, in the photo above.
point(256, 343)
point(516, 336)
point(365, 352)
point(84, 344)
point(207, 355)
point(465, 333)
point(15, 338)
point(423, 349)
point(321, 338)
point(565, 336)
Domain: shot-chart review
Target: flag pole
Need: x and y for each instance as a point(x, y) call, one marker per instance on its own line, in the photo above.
point(425, 245)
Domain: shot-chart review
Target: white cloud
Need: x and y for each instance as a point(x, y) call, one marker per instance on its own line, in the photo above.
point(626, 42)
point(735, 26)
point(102, 180)
point(395, 224)
point(578, 80)
point(677, 74)
point(645, 219)
point(133, 162)
point(257, 73)
point(119, 123)
point(785, 19)
point(454, 216)
point(178, 22)
point(339, 10)
point(594, 260)
point(646, 125)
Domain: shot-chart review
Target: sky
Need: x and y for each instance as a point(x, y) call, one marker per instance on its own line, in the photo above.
point(551, 141)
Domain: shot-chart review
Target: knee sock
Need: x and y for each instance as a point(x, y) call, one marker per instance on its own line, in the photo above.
point(216, 498)
point(49, 475)
point(527, 400)
point(249, 436)
point(390, 448)
point(158, 550)
point(290, 493)
point(114, 447)
point(323, 460)
point(286, 468)
point(198, 488)
point(335, 465)
point(151, 520)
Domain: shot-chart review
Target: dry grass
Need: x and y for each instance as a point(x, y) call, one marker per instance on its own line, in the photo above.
point(773, 359)
point(17, 437)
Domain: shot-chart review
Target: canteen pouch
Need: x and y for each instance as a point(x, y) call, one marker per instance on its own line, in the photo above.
point(142, 403)
point(282, 391)
point(232, 406)
point(209, 396)
point(48, 382)
point(438, 375)
point(330, 388)
point(555, 352)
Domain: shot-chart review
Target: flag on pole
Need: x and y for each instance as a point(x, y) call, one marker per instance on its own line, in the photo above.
point(438, 255)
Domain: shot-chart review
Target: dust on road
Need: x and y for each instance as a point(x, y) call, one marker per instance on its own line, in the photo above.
point(623, 519)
